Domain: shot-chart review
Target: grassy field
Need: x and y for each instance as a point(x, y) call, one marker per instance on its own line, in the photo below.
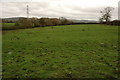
point(8, 26)
point(70, 51)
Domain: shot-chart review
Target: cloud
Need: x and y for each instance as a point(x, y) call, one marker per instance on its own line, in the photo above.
point(55, 8)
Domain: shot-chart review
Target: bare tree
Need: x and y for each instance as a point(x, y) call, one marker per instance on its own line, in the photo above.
point(106, 14)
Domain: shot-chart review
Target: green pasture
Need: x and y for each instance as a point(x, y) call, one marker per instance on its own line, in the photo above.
point(70, 51)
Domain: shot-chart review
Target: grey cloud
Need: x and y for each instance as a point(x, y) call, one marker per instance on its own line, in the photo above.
point(47, 9)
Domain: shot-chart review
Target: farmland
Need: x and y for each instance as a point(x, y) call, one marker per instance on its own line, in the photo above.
point(8, 26)
point(70, 51)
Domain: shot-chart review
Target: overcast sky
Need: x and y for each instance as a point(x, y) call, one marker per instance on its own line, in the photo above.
point(72, 9)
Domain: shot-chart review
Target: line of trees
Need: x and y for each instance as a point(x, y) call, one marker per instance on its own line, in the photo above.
point(115, 22)
point(22, 23)
point(7, 21)
point(41, 22)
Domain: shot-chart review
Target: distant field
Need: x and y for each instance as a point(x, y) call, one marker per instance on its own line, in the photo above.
point(8, 25)
point(71, 51)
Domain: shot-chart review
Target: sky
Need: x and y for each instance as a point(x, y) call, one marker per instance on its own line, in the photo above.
point(71, 9)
